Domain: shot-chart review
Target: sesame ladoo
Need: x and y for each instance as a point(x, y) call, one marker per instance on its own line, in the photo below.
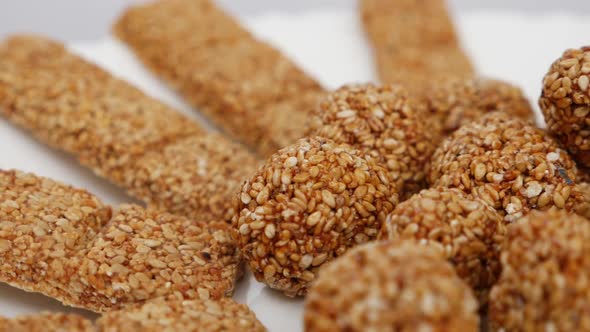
point(565, 102)
point(508, 163)
point(245, 86)
point(545, 275)
point(63, 242)
point(223, 315)
point(384, 123)
point(47, 321)
point(309, 203)
point(468, 231)
point(455, 102)
point(119, 132)
point(390, 286)
point(414, 42)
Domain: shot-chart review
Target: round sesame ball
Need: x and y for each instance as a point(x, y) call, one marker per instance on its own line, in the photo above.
point(467, 230)
point(458, 101)
point(545, 280)
point(390, 286)
point(510, 164)
point(565, 102)
point(309, 203)
point(384, 123)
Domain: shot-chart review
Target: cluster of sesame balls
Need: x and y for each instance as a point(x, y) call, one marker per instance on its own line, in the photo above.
point(387, 223)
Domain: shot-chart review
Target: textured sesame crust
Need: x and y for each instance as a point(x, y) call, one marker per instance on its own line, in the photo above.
point(151, 150)
point(308, 204)
point(46, 321)
point(390, 286)
point(414, 42)
point(545, 275)
point(565, 102)
point(62, 242)
point(510, 164)
point(233, 78)
point(467, 230)
point(224, 315)
point(385, 124)
point(43, 224)
point(456, 102)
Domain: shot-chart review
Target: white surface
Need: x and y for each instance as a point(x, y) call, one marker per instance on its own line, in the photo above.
point(331, 46)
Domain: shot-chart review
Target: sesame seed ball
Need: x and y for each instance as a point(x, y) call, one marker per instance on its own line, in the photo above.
point(545, 275)
point(455, 102)
point(510, 164)
point(467, 230)
point(390, 286)
point(384, 123)
point(565, 102)
point(309, 203)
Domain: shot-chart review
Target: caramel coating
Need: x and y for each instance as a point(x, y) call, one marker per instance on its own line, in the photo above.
point(467, 230)
point(565, 102)
point(390, 286)
point(384, 123)
point(545, 275)
point(308, 204)
point(510, 164)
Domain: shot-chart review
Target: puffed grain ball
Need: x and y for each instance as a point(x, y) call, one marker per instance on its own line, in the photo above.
point(565, 102)
point(545, 280)
point(510, 164)
point(309, 203)
point(390, 286)
point(384, 123)
point(467, 230)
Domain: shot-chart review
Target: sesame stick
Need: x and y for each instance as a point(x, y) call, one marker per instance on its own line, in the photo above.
point(223, 315)
point(545, 275)
point(565, 102)
point(225, 72)
point(390, 286)
point(308, 204)
point(467, 230)
point(46, 321)
point(384, 123)
point(414, 42)
point(154, 152)
point(62, 242)
point(508, 163)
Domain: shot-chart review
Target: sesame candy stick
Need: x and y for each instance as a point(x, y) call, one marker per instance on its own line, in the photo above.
point(62, 242)
point(414, 41)
point(122, 134)
point(224, 315)
point(233, 78)
point(46, 321)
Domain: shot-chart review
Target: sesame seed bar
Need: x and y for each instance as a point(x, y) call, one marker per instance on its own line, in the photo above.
point(42, 224)
point(46, 321)
point(122, 134)
point(224, 315)
point(218, 66)
point(62, 242)
point(414, 41)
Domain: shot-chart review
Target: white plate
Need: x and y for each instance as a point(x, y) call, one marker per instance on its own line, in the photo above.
point(329, 45)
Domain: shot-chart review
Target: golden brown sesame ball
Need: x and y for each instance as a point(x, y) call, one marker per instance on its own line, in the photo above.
point(390, 286)
point(510, 164)
point(309, 203)
point(456, 102)
point(565, 102)
point(467, 230)
point(545, 280)
point(383, 122)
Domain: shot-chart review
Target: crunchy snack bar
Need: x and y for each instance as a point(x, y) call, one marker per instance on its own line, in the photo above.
point(414, 42)
point(63, 242)
point(47, 321)
point(233, 78)
point(122, 134)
